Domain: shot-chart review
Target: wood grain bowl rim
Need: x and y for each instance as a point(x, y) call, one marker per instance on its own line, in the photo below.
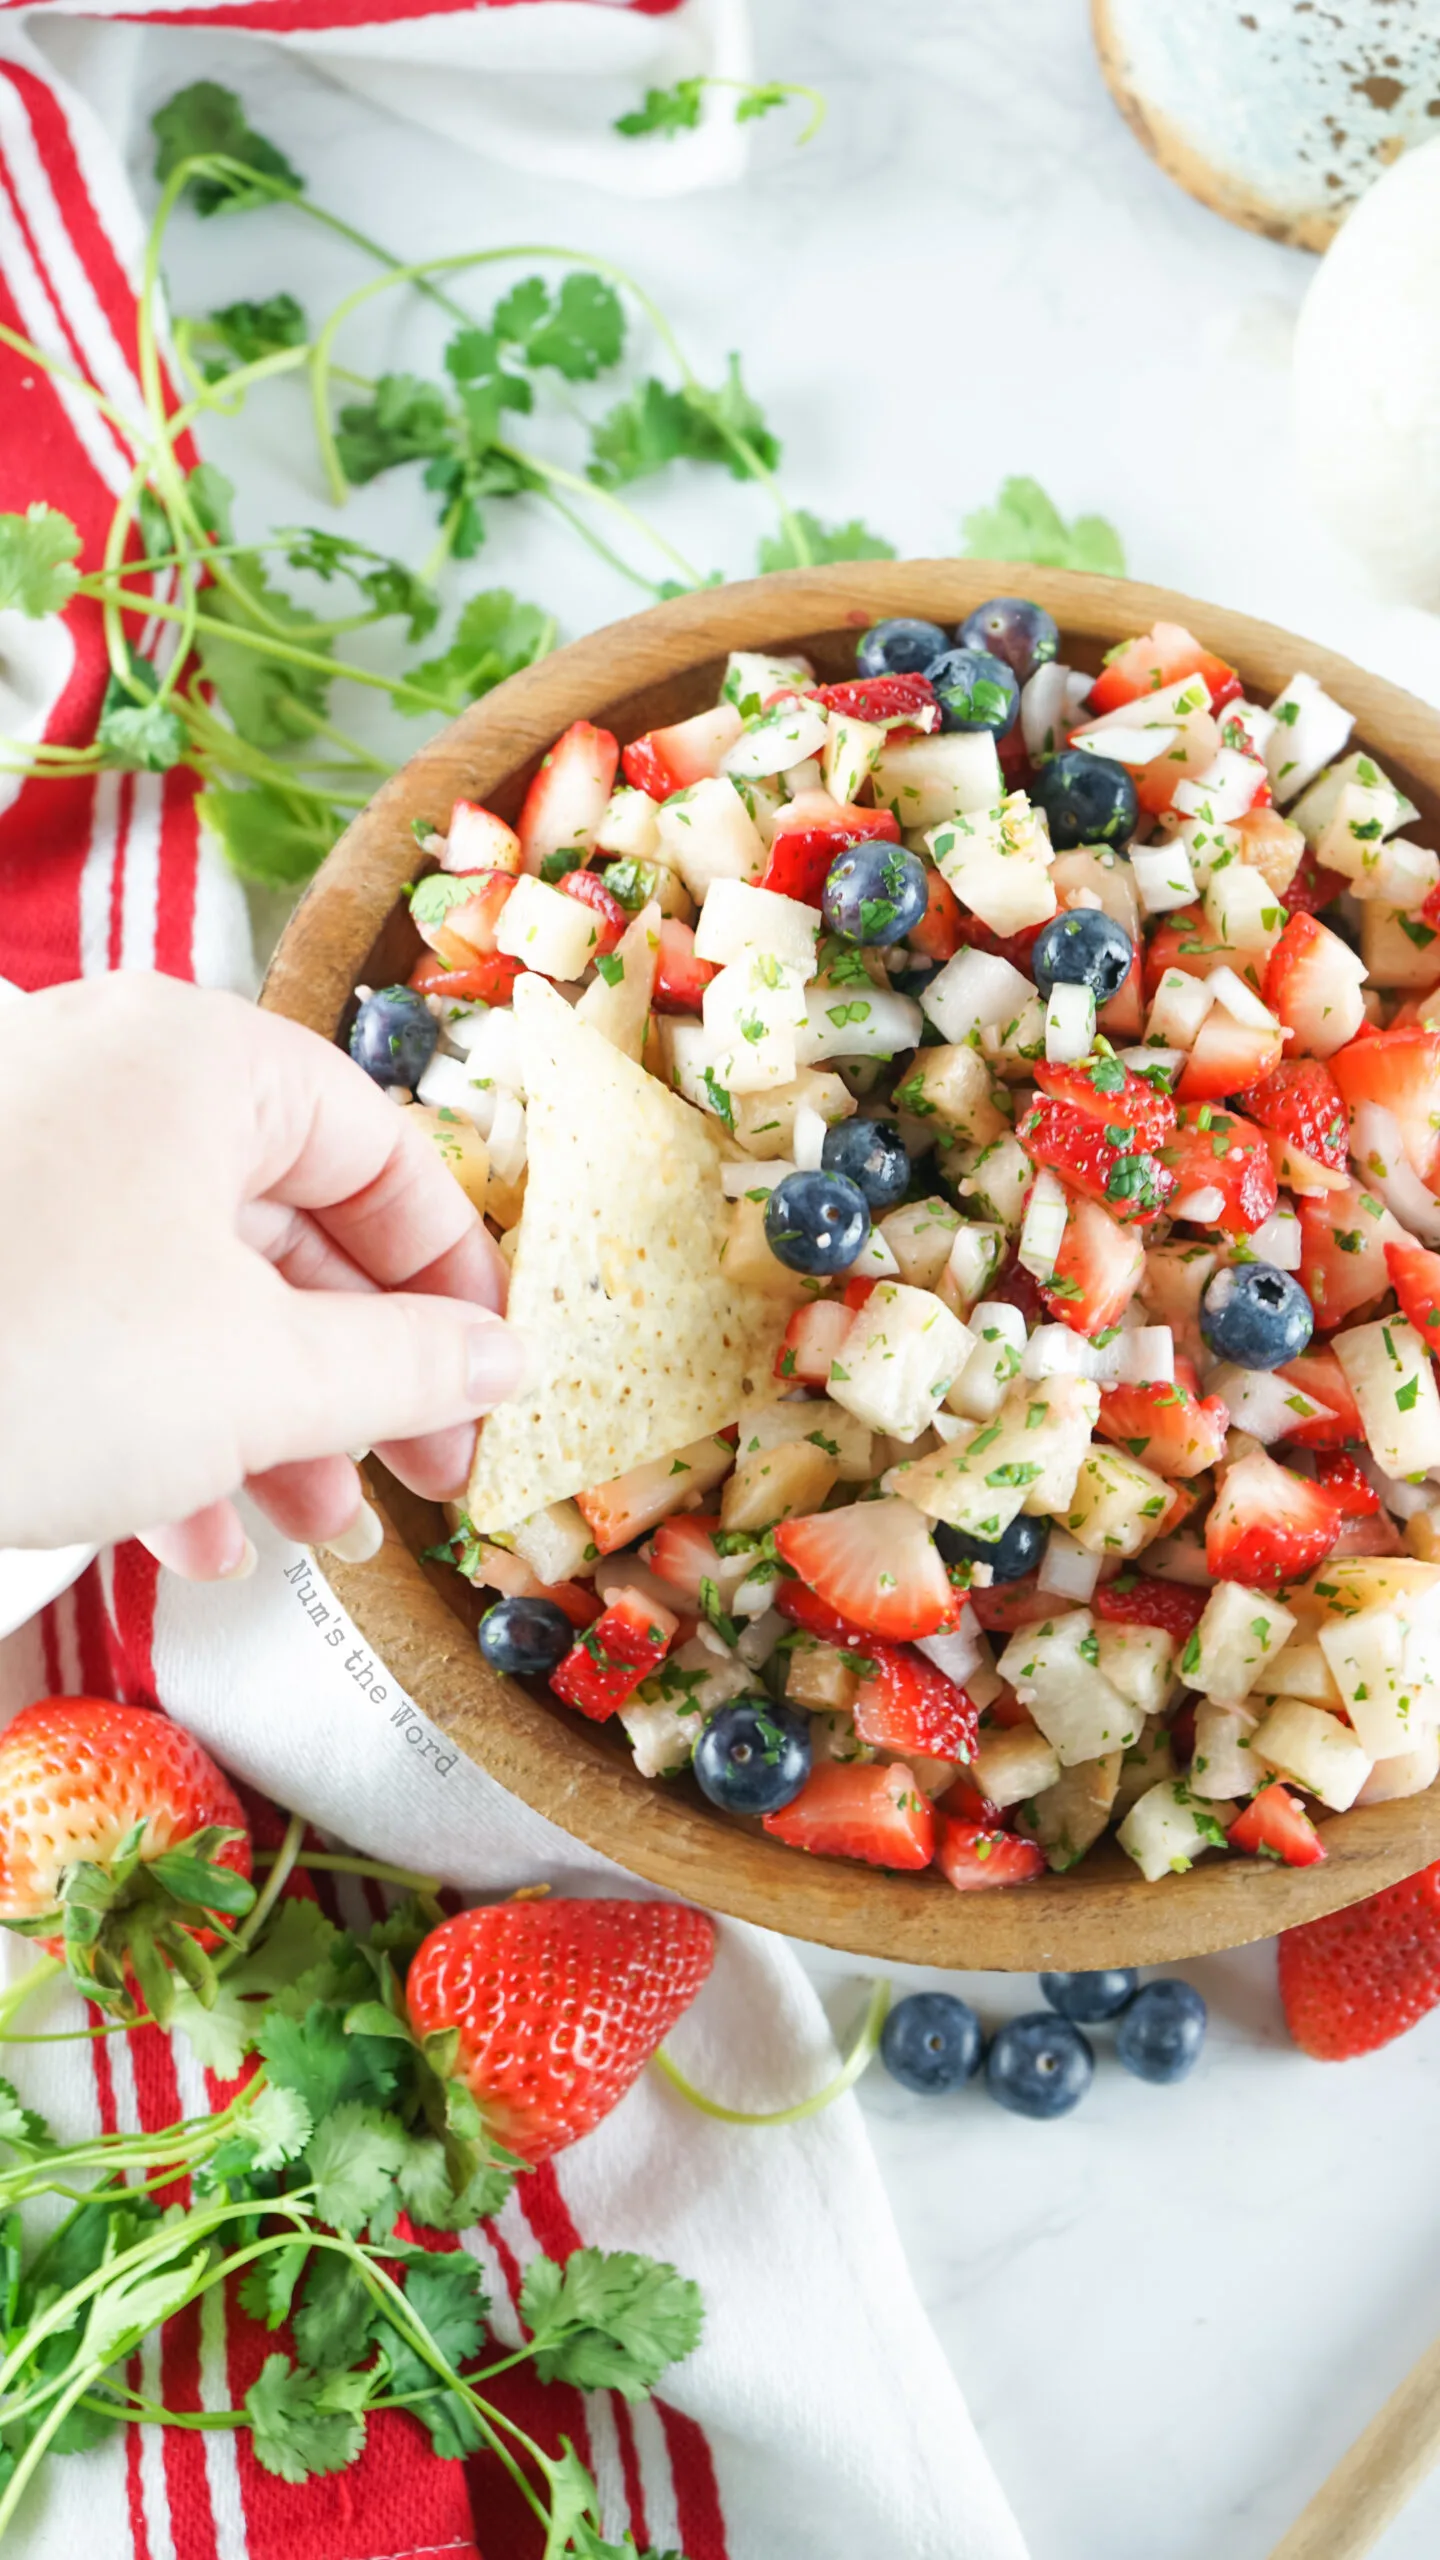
point(1103, 1914)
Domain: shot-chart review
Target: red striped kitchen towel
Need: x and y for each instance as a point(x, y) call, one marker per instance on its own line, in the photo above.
point(817, 2421)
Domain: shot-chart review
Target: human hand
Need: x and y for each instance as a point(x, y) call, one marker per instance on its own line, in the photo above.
point(225, 1259)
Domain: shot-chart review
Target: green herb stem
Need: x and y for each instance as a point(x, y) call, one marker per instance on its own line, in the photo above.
point(861, 2052)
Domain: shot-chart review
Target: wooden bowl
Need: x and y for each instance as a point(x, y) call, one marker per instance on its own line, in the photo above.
point(352, 926)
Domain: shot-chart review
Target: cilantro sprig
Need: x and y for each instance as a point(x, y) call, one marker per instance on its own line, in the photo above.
point(678, 109)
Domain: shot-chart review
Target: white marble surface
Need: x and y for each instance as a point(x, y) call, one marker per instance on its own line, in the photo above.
point(1171, 2311)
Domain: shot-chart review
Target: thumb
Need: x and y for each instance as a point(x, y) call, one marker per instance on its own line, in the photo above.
point(346, 1369)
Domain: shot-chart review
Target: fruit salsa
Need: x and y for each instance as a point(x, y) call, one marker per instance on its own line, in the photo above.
point(966, 1139)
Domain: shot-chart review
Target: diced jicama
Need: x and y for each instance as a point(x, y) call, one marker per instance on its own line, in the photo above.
point(1140, 1661)
point(1314, 813)
point(1045, 1220)
point(998, 1178)
point(1163, 876)
point(752, 676)
point(1315, 1749)
point(976, 1253)
point(920, 1236)
point(1166, 1831)
point(1310, 729)
point(949, 1085)
point(901, 1357)
point(1009, 1765)
point(975, 991)
point(1226, 789)
point(774, 740)
point(738, 918)
point(707, 833)
point(927, 780)
point(997, 861)
point(630, 825)
point(994, 1364)
point(1117, 1504)
point(844, 1023)
point(1179, 1008)
point(1054, 1670)
point(1391, 1377)
point(1240, 1632)
point(1027, 1459)
point(1069, 1024)
point(1065, 1568)
point(1222, 1763)
point(549, 932)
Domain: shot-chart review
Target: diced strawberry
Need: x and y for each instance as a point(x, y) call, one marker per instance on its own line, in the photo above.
point(1415, 1279)
point(1275, 1824)
point(858, 1294)
point(804, 1608)
point(464, 931)
point(973, 1859)
point(1214, 1151)
point(1401, 1070)
point(877, 1564)
point(906, 1705)
point(812, 1342)
point(965, 1803)
point(800, 857)
point(1097, 1270)
point(876, 1813)
point(1193, 753)
point(567, 799)
point(1184, 940)
point(622, 1648)
point(1165, 655)
point(1017, 1287)
point(680, 979)
point(484, 982)
point(1312, 982)
point(1145, 1601)
point(1111, 1093)
point(1313, 886)
point(1017, 948)
point(1319, 1376)
point(1123, 1018)
point(1343, 1475)
point(1001, 1607)
point(941, 930)
point(887, 700)
point(682, 1551)
point(645, 769)
point(1267, 1525)
point(476, 840)
point(1302, 1106)
point(1228, 1056)
point(592, 892)
point(667, 760)
point(1166, 1427)
point(1342, 1252)
point(1098, 1159)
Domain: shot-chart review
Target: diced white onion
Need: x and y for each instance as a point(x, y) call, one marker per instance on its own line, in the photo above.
point(1147, 1356)
point(1263, 1402)
point(1376, 1141)
point(1309, 733)
point(1138, 1059)
point(759, 1639)
point(1277, 1240)
point(1066, 1569)
point(874, 1261)
point(1203, 1207)
point(1045, 714)
point(806, 776)
point(958, 1654)
point(447, 1085)
point(1069, 1024)
point(1044, 1227)
point(1054, 1351)
point(460, 1025)
point(1404, 1499)
point(1227, 987)
point(507, 1138)
point(808, 1138)
point(1163, 877)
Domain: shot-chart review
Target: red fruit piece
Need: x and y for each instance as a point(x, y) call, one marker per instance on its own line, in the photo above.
point(963, 1800)
point(1358, 1978)
point(76, 1774)
point(682, 1551)
point(1312, 981)
point(1184, 940)
point(1098, 1159)
point(1344, 1476)
point(888, 699)
point(590, 890)
point(800, 857)
point(667, 760)
point(877, 1564)
point(904, 1704)
point(1146, 1601)
point(1400, 1069)
point(1004, 1606)
point(485, 982)
point(1267, 1525)
point(1167, 1427)
point(645, 769)
point(942, 928)
point(1313, 886)
point(812, 1342)
point(566, 801)
point(1156, 658)
point(558, 2006)
point(1303, 1104)
point(1415, 1279)
point(476, 840)
point(1097, 1270)
point(1318, 1374)
point(804, 1608)
point(457, 916)
point(1227, 1057)
point(680, 979)
point(1110, 1093)
point(1275, 1824)
point(973, 1859)
point(1215, 1151)
point(858, 1294)
point(611, 1659)
point(1123, 1017)
point(876, 1813)
point(1343, 1264)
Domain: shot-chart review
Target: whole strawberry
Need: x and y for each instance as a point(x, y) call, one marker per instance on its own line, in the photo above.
point(556, 2007)
point(1359, 1978)
point(119, 1841)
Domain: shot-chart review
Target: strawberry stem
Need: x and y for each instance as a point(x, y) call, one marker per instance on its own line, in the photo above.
point(861, 2052)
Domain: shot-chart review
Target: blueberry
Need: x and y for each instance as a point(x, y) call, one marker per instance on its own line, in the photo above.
point(1012, 628)
point(394, 1036)
point(870, 1154)
point(1160, 2036)
point(1257, 1316)
point(975, 691)
point(1017, 1550)
point(1087, 799)
point(753, 1756)
point(932, 2042)
point(902, 647)
point(816, 1222)
point(1085, 1997)
point(874, 892)
point(1083, 947)
point(525, 1637)
point(1040, 2065)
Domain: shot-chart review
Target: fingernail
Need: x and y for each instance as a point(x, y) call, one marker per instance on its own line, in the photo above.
point(502, 1363)
point(244, 1565)
point(362, 1539)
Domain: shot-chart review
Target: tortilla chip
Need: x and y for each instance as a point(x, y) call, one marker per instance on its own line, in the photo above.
point(644, 1344)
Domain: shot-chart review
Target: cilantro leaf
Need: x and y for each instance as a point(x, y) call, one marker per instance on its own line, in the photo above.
point(608, 2320)
point(303, 2423)
point(271, 701)
point(20, 2126)
point(324, 2067)
point(1024, 524)
point(668, 111)
point(37, 555)
point(269, 835)
point(406, 421)
point(446, 2293)
point(655, 425)
point(221, 2034)
point(353, 2156)
point(761, 101)
point(453, 2426)
point(336, 2319)
point(139, 737)
point(852, 541)
point(205, 119)
point(388, 584)
point(579, 331)
point(249, 330)
point(297, 1939)
point(268, 2288)
point(494, 638)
